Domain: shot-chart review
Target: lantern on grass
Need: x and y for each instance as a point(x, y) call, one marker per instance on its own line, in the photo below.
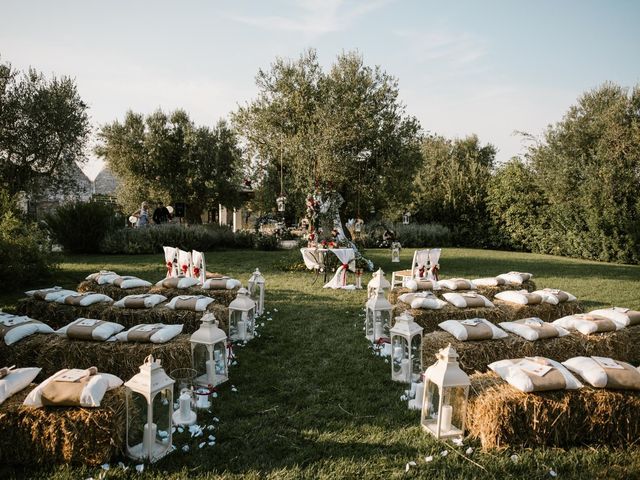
point(209, 353)
point(377, 283)
point(406, 349)
point(395, 252)
point(378, 317)
point(281, 203)
point(358, 225)
point(446, 392)
point(406, 218)
point(256, 290)
point(149, 405)
point(242, 312)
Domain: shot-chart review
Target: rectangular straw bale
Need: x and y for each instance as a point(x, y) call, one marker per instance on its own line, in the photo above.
point(488, 292)
point(90, 436)
point(500, 415)
point(476, 355)
point(114, 292)
point(544, 311)
point(57, 315)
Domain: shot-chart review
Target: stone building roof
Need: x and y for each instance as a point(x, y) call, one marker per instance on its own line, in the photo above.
point(105, 183)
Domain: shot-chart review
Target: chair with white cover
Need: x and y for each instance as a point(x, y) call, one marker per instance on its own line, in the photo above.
point(418, 270)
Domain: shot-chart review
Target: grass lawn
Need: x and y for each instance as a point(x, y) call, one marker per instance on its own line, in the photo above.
point(313, 402)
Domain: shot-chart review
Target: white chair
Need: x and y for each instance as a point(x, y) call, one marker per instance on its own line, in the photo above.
point(419, 269)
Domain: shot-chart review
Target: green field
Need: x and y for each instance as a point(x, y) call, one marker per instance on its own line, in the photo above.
point(313, 402)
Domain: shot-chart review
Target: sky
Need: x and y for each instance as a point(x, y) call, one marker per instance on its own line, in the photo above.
point(489, 67)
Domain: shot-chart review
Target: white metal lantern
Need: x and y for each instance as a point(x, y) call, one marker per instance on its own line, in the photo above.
point(242, 312)
point(395, 252)
point(378, 317)
point(377, 283)
point(357, 226)
point(149, 403)
point(209, 353)
point(256, 290)
point(281, 202)
point(406, 218)
point(446, 392)
point(406, 349)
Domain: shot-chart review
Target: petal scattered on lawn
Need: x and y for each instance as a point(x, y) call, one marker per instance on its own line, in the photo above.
point(469, 451)
point(185, 448)
point(429, 458)
point(515, 458)
point(444, 453)
point(105, 466)
point(409, 465)
point(458, 441)
point(140, 468)
point(553, 473)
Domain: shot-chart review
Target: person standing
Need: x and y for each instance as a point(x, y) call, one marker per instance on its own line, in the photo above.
point(143, 215)
point(160, 214)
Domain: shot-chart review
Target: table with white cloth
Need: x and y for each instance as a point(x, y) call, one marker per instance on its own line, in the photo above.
point(314, 259)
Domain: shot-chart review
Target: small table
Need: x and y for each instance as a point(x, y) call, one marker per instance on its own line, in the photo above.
point(315, 259)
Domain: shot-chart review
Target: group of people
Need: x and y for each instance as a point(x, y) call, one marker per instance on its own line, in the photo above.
point(160, 215)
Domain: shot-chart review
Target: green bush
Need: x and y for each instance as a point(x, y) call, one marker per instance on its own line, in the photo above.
point(81, 226)
point(411, 236)
point(267, 242)
point(25, 251)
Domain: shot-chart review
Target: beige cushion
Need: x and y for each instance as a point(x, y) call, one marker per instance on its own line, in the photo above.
point(521, 374)
point(472, 329)
point(605, 372)
point(533, 329)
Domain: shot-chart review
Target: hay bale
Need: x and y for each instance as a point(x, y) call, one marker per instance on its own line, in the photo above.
point(52, 352)
point(500, 415)
point(222, 297)
point(476, 355)
point(57, 315)
point(90, 436)
point(545, 311)
point(114, 292)
point(488, 292)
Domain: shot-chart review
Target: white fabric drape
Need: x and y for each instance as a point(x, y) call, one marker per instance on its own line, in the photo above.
point(198, 267)
point(312, 258)
point(347, 258)
point(184, 262)
point(170, 254)
point(434, 258)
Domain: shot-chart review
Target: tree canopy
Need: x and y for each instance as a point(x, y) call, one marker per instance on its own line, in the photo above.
point(344, 130)
point(167, 157)
point(44, 129)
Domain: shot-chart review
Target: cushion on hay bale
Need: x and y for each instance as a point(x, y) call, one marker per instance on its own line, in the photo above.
point(222, 283)
point(516, 278)
point(90, 329)
point(194, 303)
point(178, 282)
point(48, 294)
point(83, 299)
point(555, 296)
point(429, 319)
point(533, 329)
point(587, 323)
point(457, 284)
point(476, 355)
point(472, 329)
point(223, 297)
point(422, 300)
point(623, 316)
point(535, 374)
point(544, 311)
point(413, 284)
point(145, 300)
point(500, 416)
point(522, 297)
point(14, 380)
point(604, 372)
point(467, 300)
point(14, 328)
point(98, 276)
point(118, 358)
point(110, 290)
point(76, 435)
point(150, 333)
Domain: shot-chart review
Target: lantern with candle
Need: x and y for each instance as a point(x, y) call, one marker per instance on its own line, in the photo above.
point(209, 353)
point(395, 252)
point(406, 349)
point(378, 317)
point(256, 290)
point(445, 396)
point(281, 203)
point(377, 283)
point(149, 405)
point(406, 218)
point(242, 311)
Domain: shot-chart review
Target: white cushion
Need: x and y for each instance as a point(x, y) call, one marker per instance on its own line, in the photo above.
point(91, 395)
point(457, 329)
point(132, 282)
point(510, 371)
point(581, 323)
point(17, 380)
point(94, 276)
point(527, 332)
point(231, 283)
point(202, 302)
point(485, 282)
point(166, 333)
point(183, 282)
point(452, 284)
point(519, 297)
point(515, 278)
point(428, 303)
point(550, 295)
point(101, 332)
point(150, 300)
point(87, 298)
point(458, 300)
point(21, 328)
point(52, 293)
point(411, 284)
point(623, 316)
point(590, 370)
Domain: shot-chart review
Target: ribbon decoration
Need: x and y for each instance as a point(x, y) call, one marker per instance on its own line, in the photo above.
point(196, 272)
point(434, 271)
point(169, 268)
point(421, 271)
point(184, 269)
point(345, 267)
point(230, 355)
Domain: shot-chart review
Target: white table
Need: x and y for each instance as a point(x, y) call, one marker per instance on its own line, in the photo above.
point(314, 259)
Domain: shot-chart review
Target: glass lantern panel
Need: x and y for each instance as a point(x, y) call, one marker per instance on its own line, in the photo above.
point(201, 363)
point(416, 357)
point(369, 324)
point(400, 359)
point(162, 410)
point(235, 318)
point(385, 318)
point(430, 406)
point(250, 317)
point(137, 410)
point(220, 361)
point(454, 401)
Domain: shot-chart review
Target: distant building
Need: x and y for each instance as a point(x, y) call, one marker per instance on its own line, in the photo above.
point(105, 183)
point(50, 199)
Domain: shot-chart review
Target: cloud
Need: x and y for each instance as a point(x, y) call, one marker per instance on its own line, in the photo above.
point(455, 49)
point(314, 16)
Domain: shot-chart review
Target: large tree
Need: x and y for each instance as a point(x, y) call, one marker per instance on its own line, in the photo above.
point(167, 157)
point(343, 130)
point(44, 128)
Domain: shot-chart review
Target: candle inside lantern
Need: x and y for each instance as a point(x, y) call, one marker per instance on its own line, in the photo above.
point(445, 421)
point(149, 436)
point(202, 400)
point(210, 370)
point(405, 367)
point(397, 353)
point(419, 393)
point(185, 405)
point(242, 329)
point(377, 329)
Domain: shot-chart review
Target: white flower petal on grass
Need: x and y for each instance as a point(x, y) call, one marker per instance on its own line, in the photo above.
point(444, 453)
point(553, 473)
point(210, 427)
point(105, 466)
point(457, 441)
point(140, 468)
point(185, 448)
point(233, 388)
point(275, 310)
point(429, 458)
point(212, 438)
point(180, 429)
point(409, 465)
point(469, 451)
point(123, 466)
point(514, 458)
point(202, 444)
point(216, 419)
